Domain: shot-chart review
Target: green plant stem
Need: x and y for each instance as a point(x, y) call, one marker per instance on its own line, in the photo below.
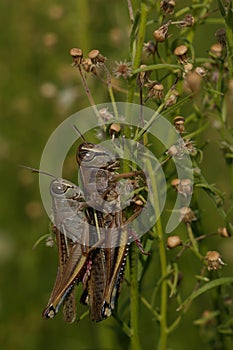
point(229, 40)
point(134, 297)
point(163, 263)
point(139, 46)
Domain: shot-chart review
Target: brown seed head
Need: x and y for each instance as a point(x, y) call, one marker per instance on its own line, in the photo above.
point(200, 71)
point(188, 21)
point(168, 6)
point(123, 69)
point(173, 151)
point(190, 147)
point(173, 242)
point(221, 36)
point(172, 98)
point(155, 90)
point(181, 53)
point(187, 215)
point(114, 130)
point(149, 48)
point(175, 183)
point(96, 57)
point(77, 55)
point(143, 77)
point(216, 50)
point(160, 34)
point(88, 66)
point(214, 260)
point(179, 123)
point(223, 232)
point(186, 187)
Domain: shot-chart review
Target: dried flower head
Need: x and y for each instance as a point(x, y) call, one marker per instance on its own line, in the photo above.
point(168, 6)
point(182, 54)
point(173, 242)
point(201, 71)
point(223, 232)
point(123, 69)
point(172, 98)
point(114, 130)
point(187, 215)
point(105, 115)
point(214, 260)
point(221, 36)
point(183, 187)
point(150, 48)
point(175, 183)
point(88, 66)
point(160, 34)
point(96, 57)
point(187, 68)
point(179, 123)
point(77, 55)
point(188, 21)
point(181, 148)
point(190, 147)
point(216, 50)
point(143, 77)
point(155, 90)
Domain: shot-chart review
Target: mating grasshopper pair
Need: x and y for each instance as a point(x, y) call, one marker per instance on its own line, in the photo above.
point(91, 234)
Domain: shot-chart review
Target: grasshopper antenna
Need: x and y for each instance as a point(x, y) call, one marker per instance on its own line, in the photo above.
point(37, 171)
point(79, 133)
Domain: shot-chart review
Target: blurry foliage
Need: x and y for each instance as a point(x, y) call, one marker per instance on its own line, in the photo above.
point(39, 89)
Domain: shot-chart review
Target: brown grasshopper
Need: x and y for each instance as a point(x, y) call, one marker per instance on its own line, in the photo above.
point(102, 287)
point(69, 222)
point(91, 255)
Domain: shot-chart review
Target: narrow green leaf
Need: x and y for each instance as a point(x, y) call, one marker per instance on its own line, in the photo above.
point(205, 288)
point(221, 8)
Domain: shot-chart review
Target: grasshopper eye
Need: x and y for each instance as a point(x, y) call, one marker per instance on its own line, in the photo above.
point(58, 187)
point(85, 153)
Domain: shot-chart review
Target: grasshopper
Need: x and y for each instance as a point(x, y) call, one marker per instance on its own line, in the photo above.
point(88, 252)
point(102, 287)
point(67, 200)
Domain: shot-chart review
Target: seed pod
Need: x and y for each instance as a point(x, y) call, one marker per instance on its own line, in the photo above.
point(172, 98)
point(216, 50)
point(173, 151)
point(214, 260)
point(187, 68)
point(155, 90)
point(143, 77)
point(149, 48)
point(179, 123)
point(181, 53)
point(221, 36)
point(123, 69)
point(173, 242)
point(77, 55)
point(188, 21)
point(96, 57)
point(187, 215)
point(200, 71)
point(160, 34)
point(114, 130)
point(88, 66)
point(223, 232)
point(175, 183)
point(168, 6)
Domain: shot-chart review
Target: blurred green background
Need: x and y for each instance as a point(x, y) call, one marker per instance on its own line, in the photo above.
point(39, 89)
